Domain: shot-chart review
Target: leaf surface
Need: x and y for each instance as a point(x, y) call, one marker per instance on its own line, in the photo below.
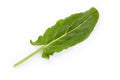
point(67, 32)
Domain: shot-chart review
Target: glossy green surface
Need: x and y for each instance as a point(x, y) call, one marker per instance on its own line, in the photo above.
point(67, 32)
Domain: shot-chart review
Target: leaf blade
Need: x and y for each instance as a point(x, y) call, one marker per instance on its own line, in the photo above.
point(68, 32)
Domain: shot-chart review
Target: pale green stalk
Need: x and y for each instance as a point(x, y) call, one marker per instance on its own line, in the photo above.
point(29, 56)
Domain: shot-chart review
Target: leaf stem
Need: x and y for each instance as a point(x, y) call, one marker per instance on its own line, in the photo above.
point(29, 56)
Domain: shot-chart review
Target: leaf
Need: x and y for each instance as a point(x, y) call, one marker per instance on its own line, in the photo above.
point(65, 33)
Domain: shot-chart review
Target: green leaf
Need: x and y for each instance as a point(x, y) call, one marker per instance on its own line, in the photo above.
point(66, 33)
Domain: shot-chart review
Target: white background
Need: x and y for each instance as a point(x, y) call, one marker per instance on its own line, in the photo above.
point(97, 58)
